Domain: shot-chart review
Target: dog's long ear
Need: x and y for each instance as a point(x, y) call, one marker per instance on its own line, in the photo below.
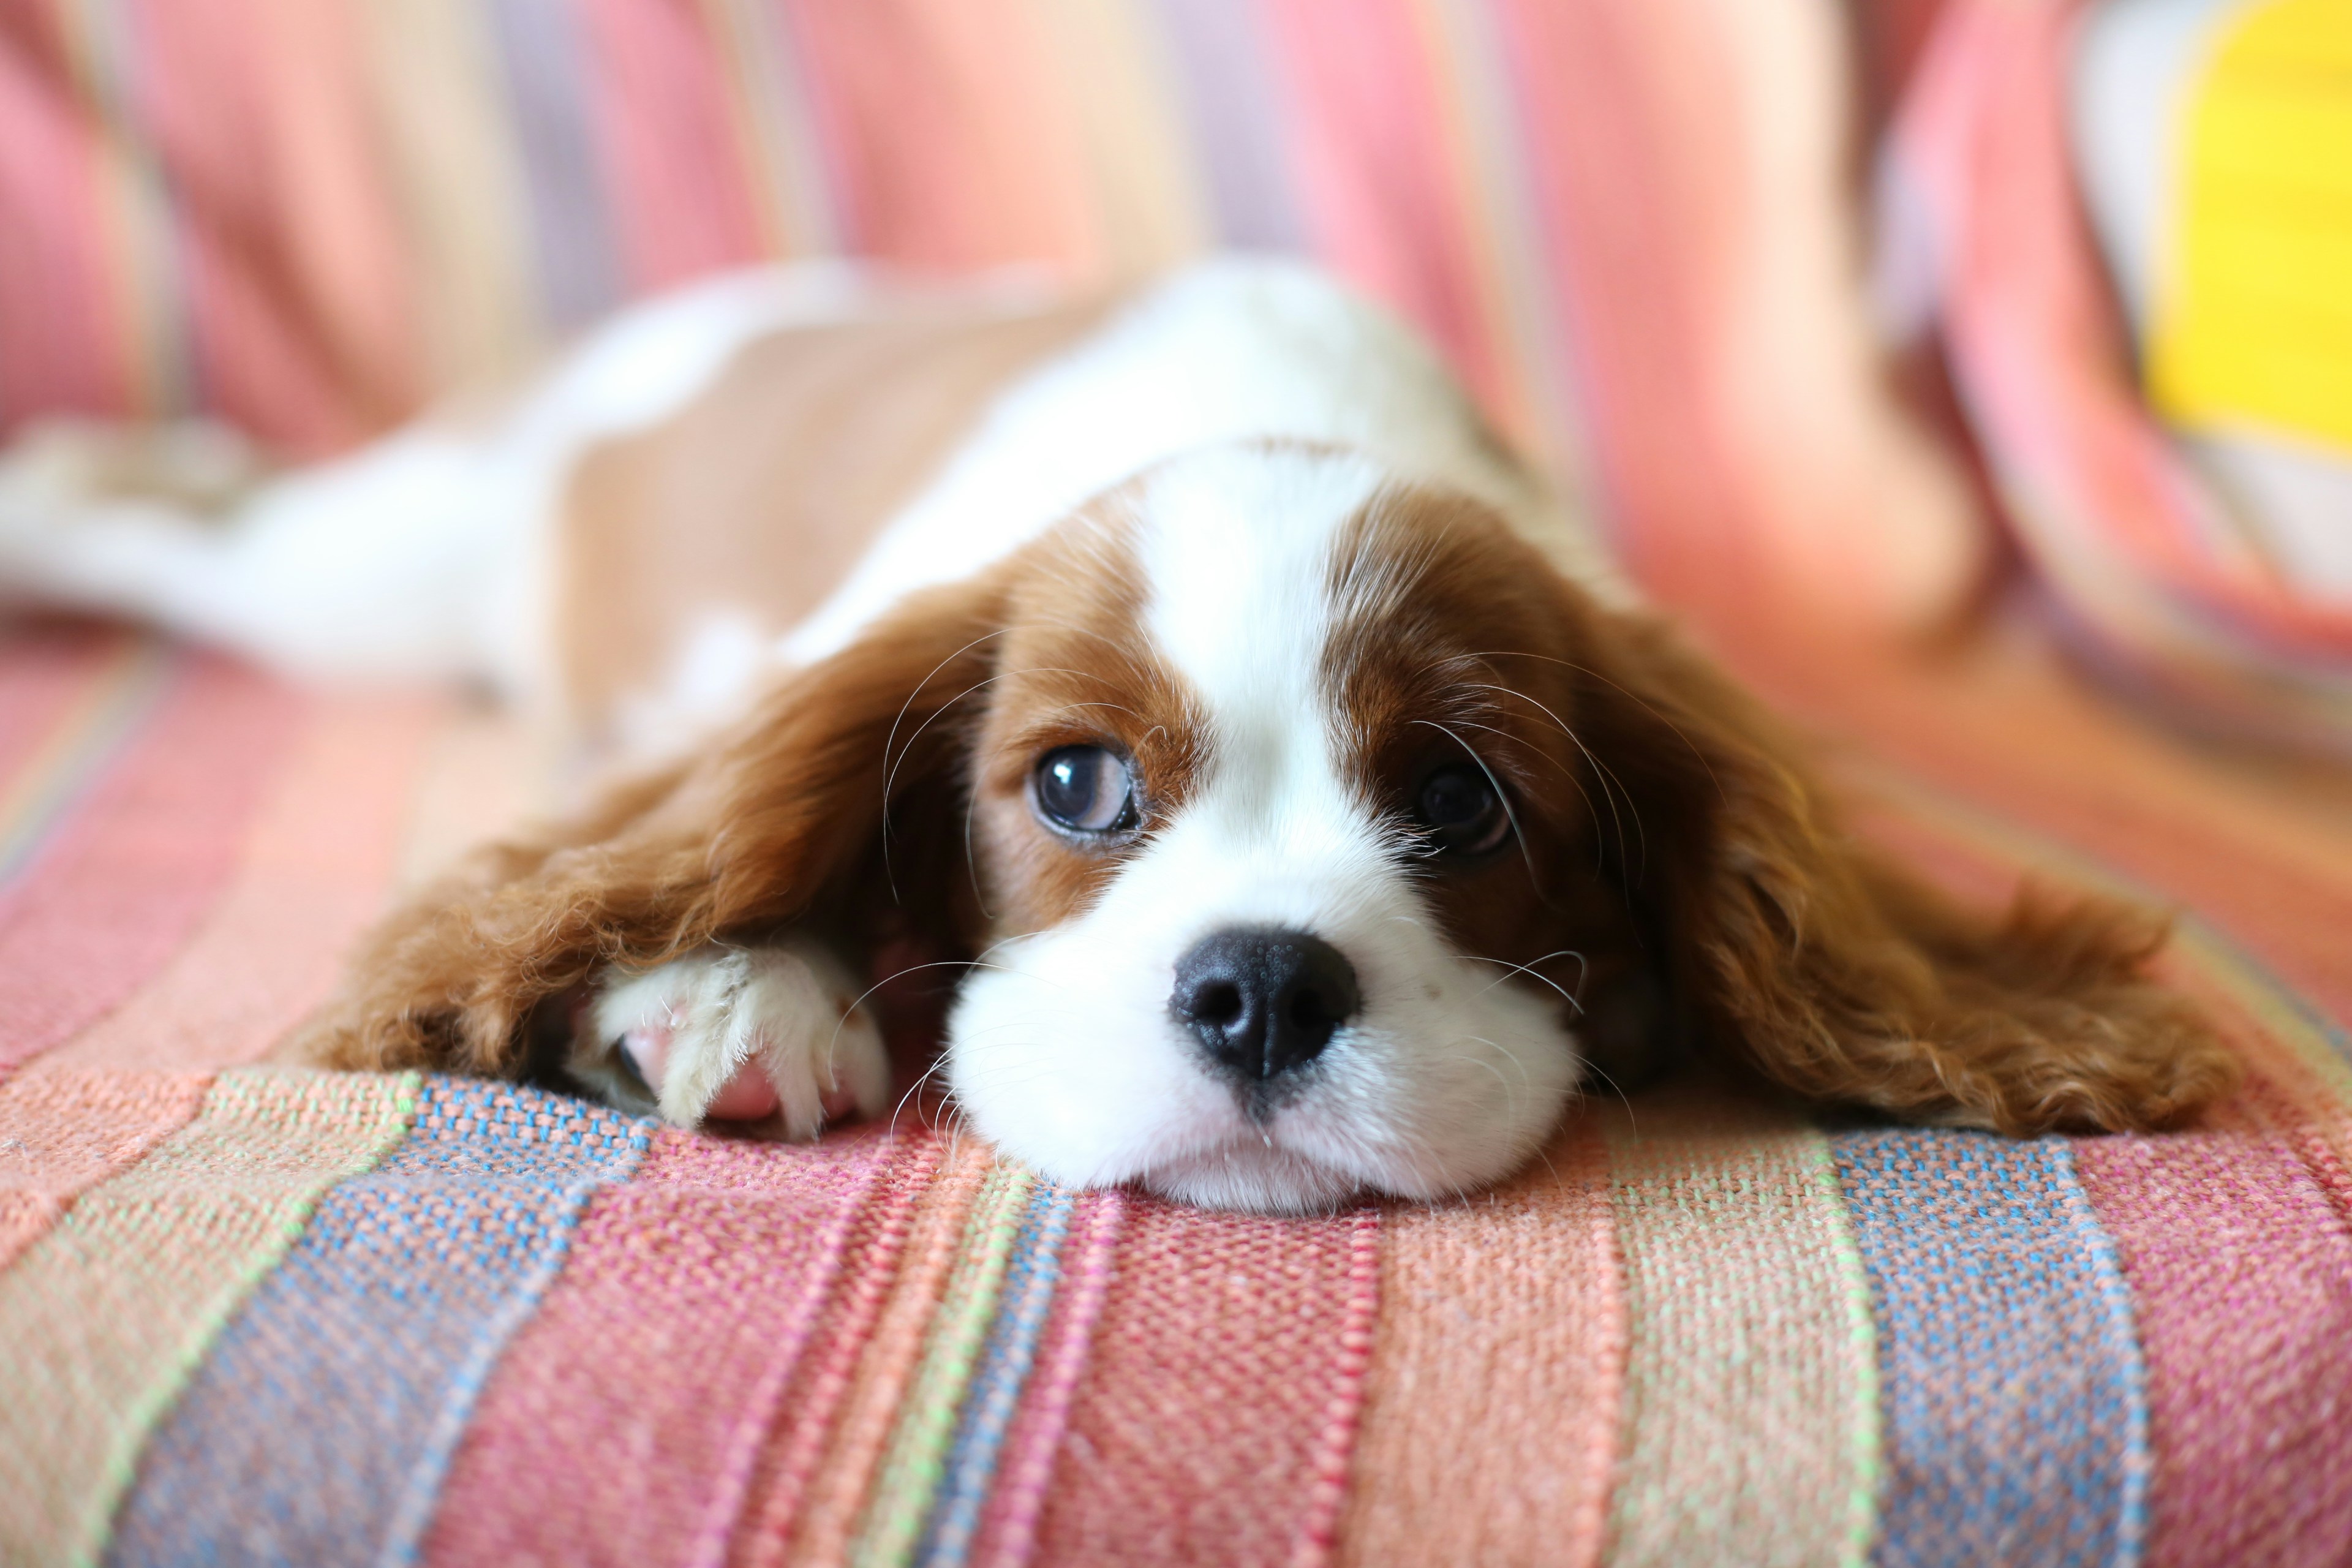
point(1846, 980)
point(838, 787)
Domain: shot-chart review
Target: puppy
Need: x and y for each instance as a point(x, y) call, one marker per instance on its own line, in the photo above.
point(1305, 807)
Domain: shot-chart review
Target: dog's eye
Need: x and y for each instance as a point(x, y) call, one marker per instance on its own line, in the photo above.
point(1086, 789)
point(1462, 811)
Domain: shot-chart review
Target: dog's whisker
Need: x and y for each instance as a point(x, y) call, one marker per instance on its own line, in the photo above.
point(1501, 793)
point(915, 1088)
point(1611, 784)
point(1635, 698)
point(1528, 969)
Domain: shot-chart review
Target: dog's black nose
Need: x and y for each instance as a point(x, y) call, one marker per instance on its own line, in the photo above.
point(1263, 999)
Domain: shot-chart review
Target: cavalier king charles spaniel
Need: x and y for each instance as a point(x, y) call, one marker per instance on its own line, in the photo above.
point(1301, 804)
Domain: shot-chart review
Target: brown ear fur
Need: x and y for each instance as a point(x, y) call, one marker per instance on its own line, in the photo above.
point(781, 820)
point(1837, 975)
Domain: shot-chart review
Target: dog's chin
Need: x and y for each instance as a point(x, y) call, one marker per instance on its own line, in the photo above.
point(1253, 1178)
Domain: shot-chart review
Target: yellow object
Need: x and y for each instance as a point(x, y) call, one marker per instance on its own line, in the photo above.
point(2254, 312)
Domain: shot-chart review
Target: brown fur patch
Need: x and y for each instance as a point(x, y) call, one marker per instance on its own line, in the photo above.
point(1076, 669)
point(1455, 642)
point(757, 497)
point(1670, 836)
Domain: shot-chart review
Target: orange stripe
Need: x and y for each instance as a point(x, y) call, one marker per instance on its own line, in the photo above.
point(485, 776)
point(448, 145)
point(1152, 212)
point(2264, 852)
point(1472, 1361)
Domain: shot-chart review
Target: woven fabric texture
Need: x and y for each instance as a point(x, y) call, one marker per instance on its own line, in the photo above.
point(248, 1313)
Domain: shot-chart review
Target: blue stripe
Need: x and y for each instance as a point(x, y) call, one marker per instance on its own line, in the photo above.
point(548, 78)
point(2015, 1399)
point(1238, 117)
point(319, 1430)
point(1026, 1299)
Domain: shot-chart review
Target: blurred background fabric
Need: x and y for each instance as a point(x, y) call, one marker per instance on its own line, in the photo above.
point(1638, 232)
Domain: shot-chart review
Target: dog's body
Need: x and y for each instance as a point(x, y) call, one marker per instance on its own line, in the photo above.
point(1309, 802)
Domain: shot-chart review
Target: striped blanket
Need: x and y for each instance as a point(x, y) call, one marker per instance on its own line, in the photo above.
point(252, 1314)
point(248, 1314)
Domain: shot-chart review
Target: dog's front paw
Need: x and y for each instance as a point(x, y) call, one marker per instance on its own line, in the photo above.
point(741, 1035)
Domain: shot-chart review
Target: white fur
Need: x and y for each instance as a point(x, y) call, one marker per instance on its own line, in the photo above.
point(786, 1011)
point(1230, 350)
point(1061, 1048)
point(425, 556)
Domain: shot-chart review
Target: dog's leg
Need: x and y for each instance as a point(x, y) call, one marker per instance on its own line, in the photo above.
point(735, 1034)
point(407, 560)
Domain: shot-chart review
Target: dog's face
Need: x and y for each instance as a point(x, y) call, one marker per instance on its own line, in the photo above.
point(1311, 836)
point(1284, 835)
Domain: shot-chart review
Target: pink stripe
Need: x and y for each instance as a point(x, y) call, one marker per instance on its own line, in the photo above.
point(313, 871)
point(2241, 1272)
point(828, 1364)
point(655, 1363)
point(135, 868)
point(64, 1131)
point(60, 340)
point(1008, 1530)
point(668, 143)
point(289, 255)
point(44, 675)
point(1219, 1401)
point(1336, 1444)
point(1597, 86)
point(1388, 209)
point(949, 141)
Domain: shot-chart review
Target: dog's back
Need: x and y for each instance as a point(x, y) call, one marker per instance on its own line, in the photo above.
point(749, 470)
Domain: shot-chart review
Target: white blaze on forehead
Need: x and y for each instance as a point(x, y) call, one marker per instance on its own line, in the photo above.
point(1237, 550)
point(1063, 1048)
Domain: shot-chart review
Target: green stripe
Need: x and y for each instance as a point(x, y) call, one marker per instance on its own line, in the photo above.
point(1748, 1434)
point(103, 1321)
point(916, 1458)
point(1861, 1357)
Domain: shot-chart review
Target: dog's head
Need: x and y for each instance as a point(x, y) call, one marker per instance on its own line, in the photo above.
point(1294, 873)
point(1307, 833)
point(1271, 800)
